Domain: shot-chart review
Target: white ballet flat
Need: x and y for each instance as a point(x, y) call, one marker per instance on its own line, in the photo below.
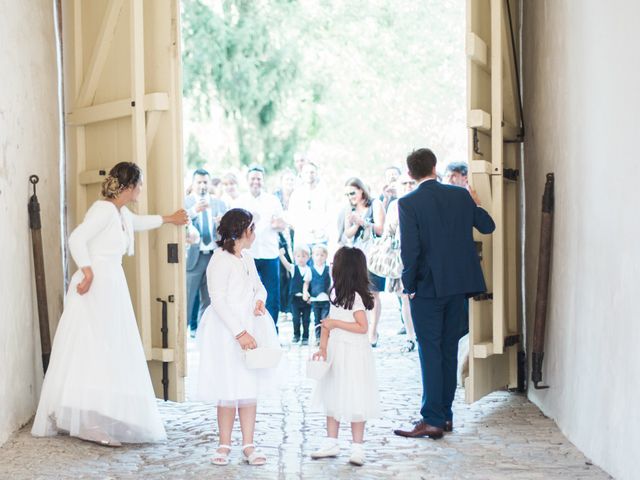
point(254, 458)
point(221, 458)
point(330, 448)
point(357, 455)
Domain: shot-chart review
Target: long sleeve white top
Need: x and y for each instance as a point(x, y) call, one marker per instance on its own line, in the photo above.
point(234, 287)
point(107, 231)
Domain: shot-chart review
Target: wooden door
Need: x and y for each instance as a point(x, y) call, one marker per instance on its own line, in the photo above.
point(122, 95)
point(495, 135)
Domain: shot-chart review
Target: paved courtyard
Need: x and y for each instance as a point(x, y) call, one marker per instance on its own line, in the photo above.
point(502, 436)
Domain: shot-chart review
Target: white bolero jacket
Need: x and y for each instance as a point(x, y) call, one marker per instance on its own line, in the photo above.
point(234, 287)
point(107, 231)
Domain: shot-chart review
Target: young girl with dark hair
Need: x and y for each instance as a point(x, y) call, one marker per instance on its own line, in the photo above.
point(236, 320)
point(348, 392)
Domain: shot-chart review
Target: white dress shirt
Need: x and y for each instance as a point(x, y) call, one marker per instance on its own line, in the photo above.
point(264, 208)
point(308, 214)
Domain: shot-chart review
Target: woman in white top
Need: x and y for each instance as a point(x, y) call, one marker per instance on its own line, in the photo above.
point(236, 320)
point(97, 386)
point(348, 392)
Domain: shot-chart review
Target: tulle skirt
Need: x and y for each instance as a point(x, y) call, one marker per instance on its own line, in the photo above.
point(97, 382)
point(223, 378)
point(348, 392)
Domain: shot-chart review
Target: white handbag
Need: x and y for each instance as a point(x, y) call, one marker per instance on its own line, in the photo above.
point(316, 369)
point(262, 357)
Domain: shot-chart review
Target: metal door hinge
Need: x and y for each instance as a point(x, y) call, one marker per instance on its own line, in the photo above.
point(511, 173)
point(483, 296)
point(511, 340)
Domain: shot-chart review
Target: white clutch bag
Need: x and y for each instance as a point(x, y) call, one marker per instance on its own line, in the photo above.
point(262, 357)
point(316, 369)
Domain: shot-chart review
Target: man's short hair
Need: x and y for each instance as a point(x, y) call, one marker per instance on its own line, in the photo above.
point(200, 171)
point(255, 168)
point(393, 167)
point(458, 167)
point(421, 163)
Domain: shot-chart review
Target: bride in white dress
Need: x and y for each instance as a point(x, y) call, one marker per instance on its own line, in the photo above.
point(236, 320)
point(97, 386)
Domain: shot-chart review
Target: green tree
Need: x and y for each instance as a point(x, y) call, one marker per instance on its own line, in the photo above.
point(242, 57)
point(195, 159)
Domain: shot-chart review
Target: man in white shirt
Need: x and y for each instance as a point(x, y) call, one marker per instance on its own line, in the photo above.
point(309, 208)
point(205, 211)
point(267, 217)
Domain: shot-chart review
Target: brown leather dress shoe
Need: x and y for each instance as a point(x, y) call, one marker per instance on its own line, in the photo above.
point(421, 429)
point(448, 426)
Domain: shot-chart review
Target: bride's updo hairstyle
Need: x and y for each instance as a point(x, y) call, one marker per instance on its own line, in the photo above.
point(232, 226)
point(121, 177)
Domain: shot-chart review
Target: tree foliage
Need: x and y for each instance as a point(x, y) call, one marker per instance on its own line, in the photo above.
point(237, 56)
point(358, 84)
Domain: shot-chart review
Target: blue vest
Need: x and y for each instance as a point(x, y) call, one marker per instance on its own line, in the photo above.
point(319, 283)
point(297, 282)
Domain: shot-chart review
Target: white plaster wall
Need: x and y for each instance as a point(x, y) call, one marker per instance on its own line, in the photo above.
point(582, 103)
point(29, 144)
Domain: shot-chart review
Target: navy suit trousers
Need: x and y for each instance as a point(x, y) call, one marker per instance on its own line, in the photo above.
point(269, 272)
point(438, 325)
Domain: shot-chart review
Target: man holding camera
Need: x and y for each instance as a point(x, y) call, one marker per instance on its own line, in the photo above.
point(205, 211)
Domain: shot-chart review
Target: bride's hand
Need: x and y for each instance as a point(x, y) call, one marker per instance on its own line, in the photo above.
point(260, 309)
point(85, 284)
point(247, 342)
point(179, 217)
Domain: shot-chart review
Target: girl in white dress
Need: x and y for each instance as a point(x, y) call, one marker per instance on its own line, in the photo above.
point(348, 392)
point(97, 386)
point(235, 321)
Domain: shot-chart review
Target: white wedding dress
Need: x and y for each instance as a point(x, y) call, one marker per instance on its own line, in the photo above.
point(97, 385)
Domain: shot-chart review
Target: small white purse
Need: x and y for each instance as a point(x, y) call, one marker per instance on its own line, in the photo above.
point(262, 357)
point(316, 369)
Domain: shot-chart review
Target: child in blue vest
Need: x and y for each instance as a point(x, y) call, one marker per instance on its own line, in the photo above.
point(299, 299)
point(318, 284)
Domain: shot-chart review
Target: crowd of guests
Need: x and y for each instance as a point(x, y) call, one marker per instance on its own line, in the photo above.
point(297, 230)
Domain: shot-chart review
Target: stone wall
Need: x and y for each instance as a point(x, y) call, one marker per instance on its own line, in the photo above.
point(581, 83)
point(29, 144)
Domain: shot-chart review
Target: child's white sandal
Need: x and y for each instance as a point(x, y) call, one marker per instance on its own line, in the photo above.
point(254, 458)
point(221, 458)
point(357, 455)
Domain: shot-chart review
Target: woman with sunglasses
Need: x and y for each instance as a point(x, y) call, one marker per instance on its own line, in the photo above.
point(362, 224)
point(236, 320)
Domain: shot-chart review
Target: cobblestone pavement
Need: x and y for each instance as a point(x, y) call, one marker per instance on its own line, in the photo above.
point(501, 436)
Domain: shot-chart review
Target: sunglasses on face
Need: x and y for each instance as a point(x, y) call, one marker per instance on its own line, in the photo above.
point(252, 227)
point(350, 194)
point(408, 183)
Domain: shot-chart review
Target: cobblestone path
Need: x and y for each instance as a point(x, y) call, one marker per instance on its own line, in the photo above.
point(501, 436)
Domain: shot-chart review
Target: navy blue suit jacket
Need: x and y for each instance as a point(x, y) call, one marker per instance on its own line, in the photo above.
point(437, 247)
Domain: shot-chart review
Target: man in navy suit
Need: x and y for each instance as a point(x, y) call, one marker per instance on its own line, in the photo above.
point(441, 270)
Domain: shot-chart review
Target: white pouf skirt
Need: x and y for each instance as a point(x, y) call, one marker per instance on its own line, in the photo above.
point(223, 378)
point(98, 382)
point(348, 392)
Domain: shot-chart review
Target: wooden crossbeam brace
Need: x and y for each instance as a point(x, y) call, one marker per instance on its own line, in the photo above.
point(158, 101)
point(478, 51)
point(99, 54)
